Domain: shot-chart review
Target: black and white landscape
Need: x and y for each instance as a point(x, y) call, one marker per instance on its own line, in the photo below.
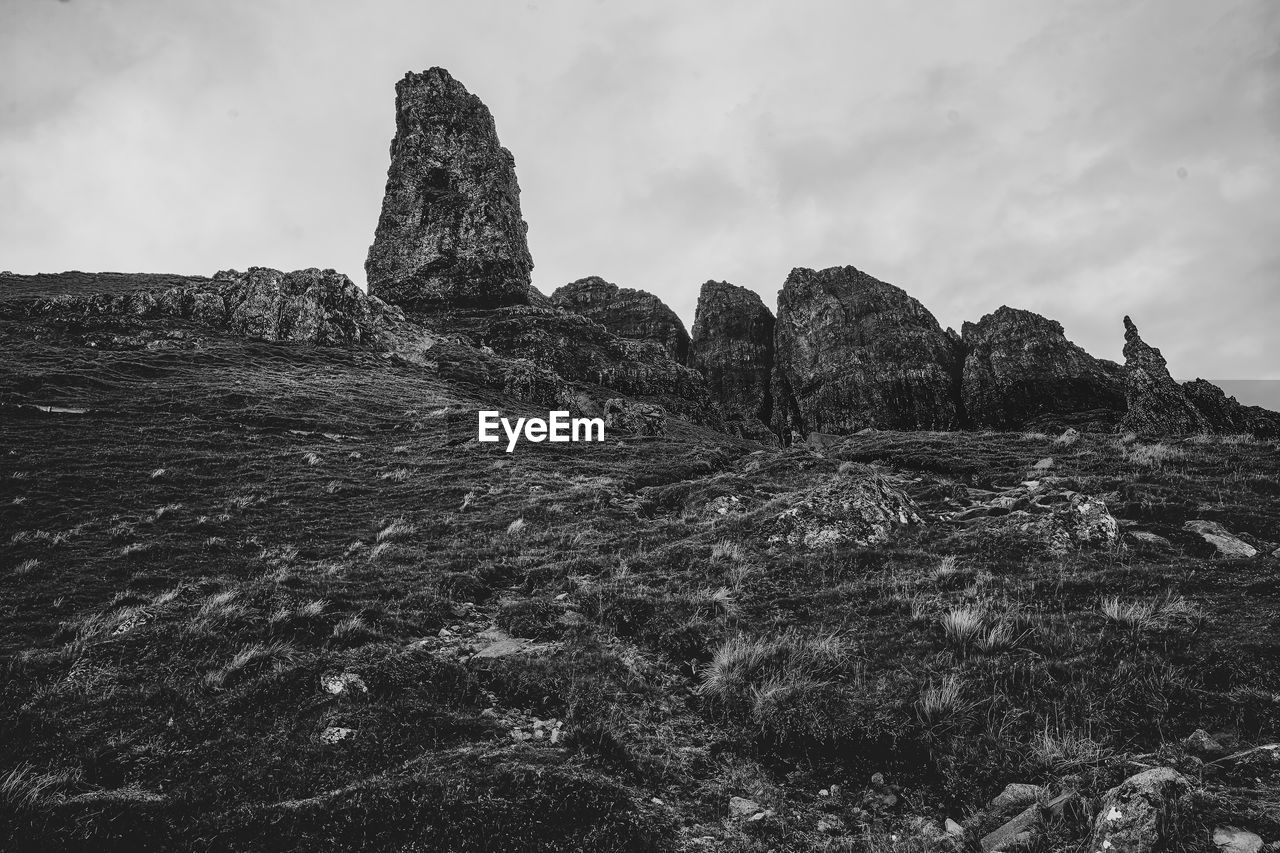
point(840, 577)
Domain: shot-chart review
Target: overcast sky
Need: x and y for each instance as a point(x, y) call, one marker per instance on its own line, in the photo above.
point(1079, 159)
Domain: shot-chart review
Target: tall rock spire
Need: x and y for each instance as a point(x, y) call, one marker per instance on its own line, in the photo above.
point(450, 233)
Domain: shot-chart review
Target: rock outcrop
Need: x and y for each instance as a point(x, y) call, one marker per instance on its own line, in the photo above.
point(732, 347)
point(1159, 406)
point(633, 314)
point(1228, 416)
point(853, 352)
point(859, 506)
point(308, 306)
point(1021, 371)
point(450, 233)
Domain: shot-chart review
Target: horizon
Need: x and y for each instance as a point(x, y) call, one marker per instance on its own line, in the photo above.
point(1118, 156)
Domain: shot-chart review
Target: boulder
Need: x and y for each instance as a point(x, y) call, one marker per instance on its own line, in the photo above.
point(1229, 839)
point(632, 314)
point(625, 416)
point(450, 233)
point(1220, 538)
point(1142, 813)
point(1015, 797)
point(732, 347)
point(852, 352)
point(1019, 368)
point(858, 506)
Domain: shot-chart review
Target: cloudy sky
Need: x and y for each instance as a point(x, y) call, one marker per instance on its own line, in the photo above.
point(1079, 159)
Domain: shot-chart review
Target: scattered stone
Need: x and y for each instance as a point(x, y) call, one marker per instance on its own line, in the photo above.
point(853, 352)
point(450, 233)
point(1203, 744)
point(1219, 537)
point(953, 828)
point(1019, 367)
point(1044, 464)
point(335, 734)
point(1146, 537)
point(626, 416)
point(1232, 840)
point(859, 506)
point(732, 347)
point(1017, 833)
point(633, 314)
point(1015, 796)
point(347, 682)
point(1142, 813)
point(740, 808)
point(497, 643)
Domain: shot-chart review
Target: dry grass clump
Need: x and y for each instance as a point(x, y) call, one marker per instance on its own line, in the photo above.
point(396, 530)
point(1153, 455)
point(726, 549)
point(396, 475)
point(26, 566)
point(311, 458)
point(1148, 614)
point(1067, 439)
point(24, 787)
point(1034, 436)
point(963, 625)
point(515, 527)
point(1065, 750)
point(943, 702)
point(742, 664)
point(247, 656)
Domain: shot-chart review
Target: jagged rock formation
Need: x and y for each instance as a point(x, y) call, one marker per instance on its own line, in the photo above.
point(1157, 405)
point(732, 347)
point(1227, 415)
point(310, 306)
point(633, 314)
point(853, 352)
point(450, 233)
point(1020, 370)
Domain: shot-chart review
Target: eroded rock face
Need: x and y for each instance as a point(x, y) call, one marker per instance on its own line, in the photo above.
point(1157, 405)
point(1142, 813)
point(1226, 415)
point(732, 347)
point(859, 506)
point(632, 314)
point(308, 306)
point(1020, 370)
point(450, 233)
point(852, 352)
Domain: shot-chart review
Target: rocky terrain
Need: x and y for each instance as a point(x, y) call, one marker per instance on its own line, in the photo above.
point(839, 581)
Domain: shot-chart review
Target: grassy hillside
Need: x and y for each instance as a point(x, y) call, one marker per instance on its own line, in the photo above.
point(269, 596)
